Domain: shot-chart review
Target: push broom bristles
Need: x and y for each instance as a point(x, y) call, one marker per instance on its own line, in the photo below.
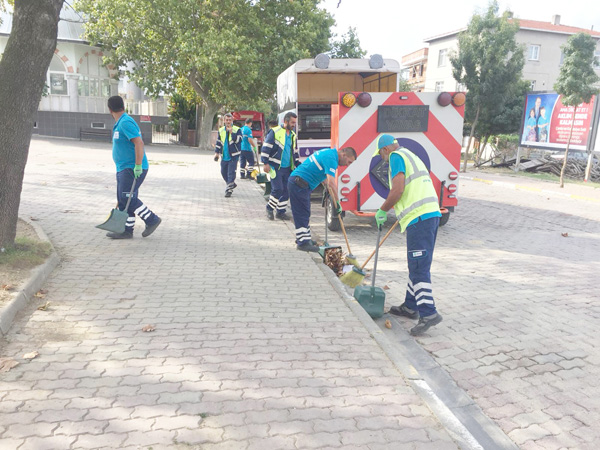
point(351, 259)
point(353, 278)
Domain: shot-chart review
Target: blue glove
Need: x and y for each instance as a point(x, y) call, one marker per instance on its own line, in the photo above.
point(380, 217)
point(137, 170)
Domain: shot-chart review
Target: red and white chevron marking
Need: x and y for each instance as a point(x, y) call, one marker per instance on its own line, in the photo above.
point(358, 129)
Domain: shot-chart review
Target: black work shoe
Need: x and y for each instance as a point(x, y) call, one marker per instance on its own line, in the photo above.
point(150, 228)
point(307, 248)
point(404, 312)
point(233, 186)
point(270, 215)
point(283, 216)
point(124, 235)
point(243, 176)
point(425, 323)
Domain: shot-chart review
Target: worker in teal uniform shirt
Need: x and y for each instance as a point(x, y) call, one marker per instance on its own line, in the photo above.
point(247, 154)
point(132, 164)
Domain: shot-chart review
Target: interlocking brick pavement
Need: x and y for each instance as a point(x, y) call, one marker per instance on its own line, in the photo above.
point(253, 348)
point(520, 302)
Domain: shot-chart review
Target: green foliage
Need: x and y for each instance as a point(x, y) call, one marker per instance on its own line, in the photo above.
point(348, 46)
point(577, 77)
point(404, 86)
point(231, 52)
point(489, 63)
point(181, 108)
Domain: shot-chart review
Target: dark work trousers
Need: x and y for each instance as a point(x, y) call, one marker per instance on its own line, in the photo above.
point(246, 163)
point(278, 200)
point(420, 242)
point(124, 181)
point(300, 203)
point(228, 169)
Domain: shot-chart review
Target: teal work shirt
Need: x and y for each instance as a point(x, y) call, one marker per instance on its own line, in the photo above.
point(226, 155)
point(316, 167)
point(286, 156)
point(123, 149)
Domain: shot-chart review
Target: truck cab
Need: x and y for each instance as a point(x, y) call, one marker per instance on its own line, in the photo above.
point(258, 123)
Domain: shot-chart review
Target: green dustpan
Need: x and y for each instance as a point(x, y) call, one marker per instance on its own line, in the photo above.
point(117, 219)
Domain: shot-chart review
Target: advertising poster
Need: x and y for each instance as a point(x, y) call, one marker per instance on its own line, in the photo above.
point(547, 123)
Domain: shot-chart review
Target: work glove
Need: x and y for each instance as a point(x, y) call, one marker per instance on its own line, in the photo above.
point(272, 173)
point(339, 208)
point(380, 217)
point(137, 170)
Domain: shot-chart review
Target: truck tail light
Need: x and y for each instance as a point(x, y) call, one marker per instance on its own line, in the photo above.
point(364, 99)
point(453, 175)
point(349, 99)
point(444, 99)
point(452, 188)
point(459, 99)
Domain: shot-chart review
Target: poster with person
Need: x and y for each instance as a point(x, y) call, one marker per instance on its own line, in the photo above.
point(547, 122)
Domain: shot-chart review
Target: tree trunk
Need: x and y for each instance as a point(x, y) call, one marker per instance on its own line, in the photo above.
point(564, 166)
point(483, 143)
point(471, 138)
point(23, 70)
point(208, 114)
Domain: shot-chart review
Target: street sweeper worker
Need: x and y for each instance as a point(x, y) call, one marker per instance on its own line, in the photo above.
point(130, 158)
point(415, 202)
point(279, 154)
point(228, 143)
point(318, 168)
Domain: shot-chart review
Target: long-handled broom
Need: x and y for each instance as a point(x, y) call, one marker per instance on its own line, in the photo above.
point(349, 257)
point(356, 276)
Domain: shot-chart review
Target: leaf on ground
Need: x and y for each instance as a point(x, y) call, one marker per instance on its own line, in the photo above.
point(7, 363)
point(149, 328)
point(388, 324)
point(39, 294)
point(43, 307)
point(7, 287)
point(386, 288)
point(33, 219)
point(564, 234)
point(31, 355)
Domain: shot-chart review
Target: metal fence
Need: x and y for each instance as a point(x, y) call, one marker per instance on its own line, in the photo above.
point(164, 134)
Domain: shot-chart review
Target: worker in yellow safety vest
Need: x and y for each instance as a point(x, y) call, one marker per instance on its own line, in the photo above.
point(415, 202)
point(227, 147)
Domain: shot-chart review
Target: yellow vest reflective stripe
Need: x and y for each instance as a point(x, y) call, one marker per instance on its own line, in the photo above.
point(419, 196)
point(280, 134)
point(222, 134)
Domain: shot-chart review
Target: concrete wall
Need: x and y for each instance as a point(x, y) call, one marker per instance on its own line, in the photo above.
point(69, 124)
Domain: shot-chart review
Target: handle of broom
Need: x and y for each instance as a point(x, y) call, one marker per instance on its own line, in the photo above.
point(341, 224)
point(130, 195)
point(381, 243)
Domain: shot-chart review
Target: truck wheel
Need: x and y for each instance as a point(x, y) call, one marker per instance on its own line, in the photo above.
point(444, 218)
point(333, 221)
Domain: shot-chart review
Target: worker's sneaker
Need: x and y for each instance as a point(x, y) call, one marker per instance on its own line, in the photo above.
point(425, 323)
point(270, 214)
point(150, 228)
point(228, 193)
point(242, 176)
point(404, 311)
point(308, 247)
point(283, 216)
point(124, 235)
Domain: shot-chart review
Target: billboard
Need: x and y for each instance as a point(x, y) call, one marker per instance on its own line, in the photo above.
point(547, 123)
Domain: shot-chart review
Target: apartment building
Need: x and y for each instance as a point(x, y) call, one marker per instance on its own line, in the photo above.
point(415, 68)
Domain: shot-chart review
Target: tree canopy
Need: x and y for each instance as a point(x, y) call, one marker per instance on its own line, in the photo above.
point(231, 52)
point(489, 62)
point(348, 46)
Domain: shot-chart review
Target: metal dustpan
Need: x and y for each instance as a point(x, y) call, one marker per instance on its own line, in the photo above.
point(117, 219)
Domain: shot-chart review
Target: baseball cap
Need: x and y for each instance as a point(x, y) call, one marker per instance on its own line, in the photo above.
point(383, 141)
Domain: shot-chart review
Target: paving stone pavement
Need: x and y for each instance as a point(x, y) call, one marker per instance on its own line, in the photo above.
point(253, 348)
point(520, 302)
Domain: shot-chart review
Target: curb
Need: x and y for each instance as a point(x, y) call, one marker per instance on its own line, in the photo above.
point(464, 420)
point(521, 187)
point(38, 277)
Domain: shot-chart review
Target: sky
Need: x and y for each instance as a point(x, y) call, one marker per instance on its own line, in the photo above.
point(394, 28)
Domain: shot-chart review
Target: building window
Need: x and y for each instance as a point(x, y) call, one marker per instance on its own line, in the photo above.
point(95, 79)
point(532, 85)
point(58, 84)
point(100, 125)
point(442, 57)
point(439, 86)
point(597, 59)
point(562, 58)
point(460, 87)
point(533, 53)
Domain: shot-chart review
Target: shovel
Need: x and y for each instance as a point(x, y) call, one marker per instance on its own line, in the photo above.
point(117, 218)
